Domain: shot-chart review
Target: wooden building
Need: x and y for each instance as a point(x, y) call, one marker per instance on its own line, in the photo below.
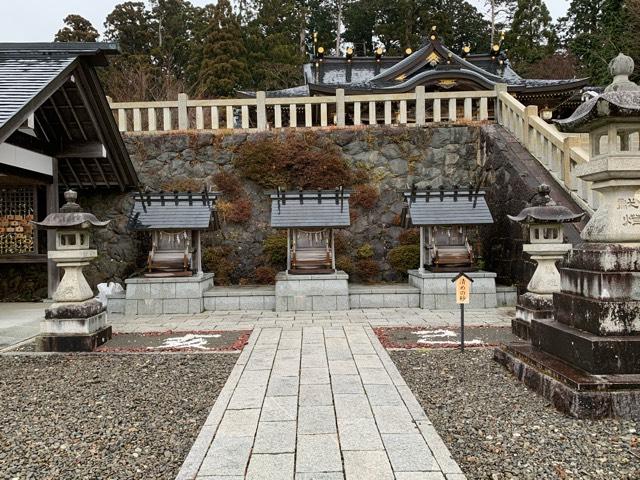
point(444, 218)
point(56, 132)
point(437, 68)
point(310, 218)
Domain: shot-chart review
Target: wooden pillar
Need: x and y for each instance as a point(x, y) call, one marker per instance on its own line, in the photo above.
point(333, 250)
point(197, 263)
point(288, 249)
point(421, 269)
point(53, 200)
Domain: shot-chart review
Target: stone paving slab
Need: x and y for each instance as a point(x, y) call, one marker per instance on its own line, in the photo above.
point(249, 319)
point(317, 402)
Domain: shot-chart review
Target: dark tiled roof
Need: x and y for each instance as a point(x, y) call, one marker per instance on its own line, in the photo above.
point(310, 209)
point(447, 208)
point(598, 109)
point(173, 211)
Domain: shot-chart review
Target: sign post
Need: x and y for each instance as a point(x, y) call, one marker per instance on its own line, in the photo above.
point(463, 293)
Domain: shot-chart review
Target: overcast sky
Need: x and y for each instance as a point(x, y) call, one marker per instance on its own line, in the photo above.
point(39, 20)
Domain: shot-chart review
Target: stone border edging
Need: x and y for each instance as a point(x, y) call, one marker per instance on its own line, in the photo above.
point(198, 451)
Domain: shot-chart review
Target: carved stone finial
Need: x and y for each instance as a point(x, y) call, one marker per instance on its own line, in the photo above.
point(71, 198)
point(620, 68)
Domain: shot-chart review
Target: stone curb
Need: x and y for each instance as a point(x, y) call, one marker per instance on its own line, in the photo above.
point(198, 452)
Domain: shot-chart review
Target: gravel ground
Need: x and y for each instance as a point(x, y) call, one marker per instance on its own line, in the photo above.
point(104, 417)
point(496, 428)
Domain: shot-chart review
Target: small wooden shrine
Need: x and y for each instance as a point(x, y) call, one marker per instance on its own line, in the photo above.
point(445, 218)
point(175, 220)
point(310, 218)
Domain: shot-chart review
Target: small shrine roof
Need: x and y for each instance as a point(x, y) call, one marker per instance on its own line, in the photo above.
point(446, 207)
point(310, 209)
point(174, 211)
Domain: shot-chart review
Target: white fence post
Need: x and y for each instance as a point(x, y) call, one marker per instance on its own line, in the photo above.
point(420, 110)
point(500, 88)
point(340, 107)
point(183, 117)
point(261, 112)
point(529, 111)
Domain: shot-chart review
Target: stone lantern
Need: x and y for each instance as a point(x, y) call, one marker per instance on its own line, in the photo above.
point(545, 220)
point(76, 321)
point(586, 359)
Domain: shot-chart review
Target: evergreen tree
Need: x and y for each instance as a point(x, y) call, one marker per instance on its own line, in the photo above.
point(76, 29)
point(532, 36)
point(223, 67)
point(129, 24)
point(595, 32)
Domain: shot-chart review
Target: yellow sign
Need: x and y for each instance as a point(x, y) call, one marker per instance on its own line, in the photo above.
point(463, 289)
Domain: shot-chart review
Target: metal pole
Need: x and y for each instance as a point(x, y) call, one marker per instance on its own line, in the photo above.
point(462, 327)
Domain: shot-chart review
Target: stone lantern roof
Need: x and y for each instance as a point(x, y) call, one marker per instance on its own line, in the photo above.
point(70, 216)
point(620, 100)
point(544, 210)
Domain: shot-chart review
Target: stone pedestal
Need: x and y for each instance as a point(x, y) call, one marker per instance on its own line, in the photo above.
point(73, 327)
point(437, 292)
point(156, 296)
point(586, 359)
point(537, 303)
point(73, 287)
point(328, 292)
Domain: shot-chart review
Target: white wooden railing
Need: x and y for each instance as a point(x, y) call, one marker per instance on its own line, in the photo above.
point(261, 113)
point(559, 152)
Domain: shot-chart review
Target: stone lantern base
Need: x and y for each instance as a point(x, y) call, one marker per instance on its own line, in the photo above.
point(531, 306)
point(73, 327)
point(586, 359)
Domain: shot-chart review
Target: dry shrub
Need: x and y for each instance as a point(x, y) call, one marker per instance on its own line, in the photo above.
point(341, 243)
point(365, 251)
point(367, 270)
point(344, 263)
point(237, 211)
point(229, 185)
point(404, 257)
point(183, 184)
point(364, 196)
point(216, 259)
point(265, 275)
point(275, 249)
point(409, 237)
point(296, 159)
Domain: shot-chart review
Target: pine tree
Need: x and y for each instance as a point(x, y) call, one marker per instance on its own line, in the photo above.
point(76, 29)
point(223, 68)
point(532, 36)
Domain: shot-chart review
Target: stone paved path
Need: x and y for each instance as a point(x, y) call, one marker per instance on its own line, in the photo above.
point(372, 317)
point(317, 402)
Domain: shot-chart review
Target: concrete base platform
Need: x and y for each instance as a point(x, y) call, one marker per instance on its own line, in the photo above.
point(156, 296)
point(571, 390)
point(73, 343)
point(312, 292)
point(250, 297)
point(531, 306)
point(437, 292)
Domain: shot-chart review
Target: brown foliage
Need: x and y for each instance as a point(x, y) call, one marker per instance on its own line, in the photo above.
point(556, 66)
point(229, 185)
point(304, 160)
point(182, 184)
point(364, 196)
point(236, 211)
point(265, 275)
point(367, 270)
point(409, 237)
point(216, 259)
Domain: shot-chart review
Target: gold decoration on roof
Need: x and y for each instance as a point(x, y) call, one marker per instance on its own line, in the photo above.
point(433, 59)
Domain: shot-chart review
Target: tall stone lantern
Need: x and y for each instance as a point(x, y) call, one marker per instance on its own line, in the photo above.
point(544, 220)
point(586, 360)
point(76, 321)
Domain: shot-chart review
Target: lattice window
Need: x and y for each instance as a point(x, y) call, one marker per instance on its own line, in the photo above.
point(17, 209)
